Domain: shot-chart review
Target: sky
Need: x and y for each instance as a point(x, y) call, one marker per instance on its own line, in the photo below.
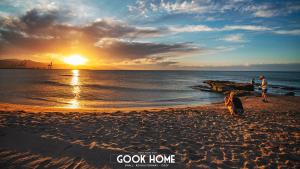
point(154, 34)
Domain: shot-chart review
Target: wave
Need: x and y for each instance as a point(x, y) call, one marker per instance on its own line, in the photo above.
point(44, 99)
point(53, 83)
point(66, 75)
point(97, 86)
point(110, 87)
point(283, 87)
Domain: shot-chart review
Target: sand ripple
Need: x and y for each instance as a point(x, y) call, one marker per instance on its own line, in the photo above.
point(202, 139)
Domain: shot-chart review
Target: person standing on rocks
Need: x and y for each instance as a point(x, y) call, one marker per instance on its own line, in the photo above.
point(264, 88)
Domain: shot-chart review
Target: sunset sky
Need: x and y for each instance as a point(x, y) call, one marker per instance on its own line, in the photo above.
point(153, 34)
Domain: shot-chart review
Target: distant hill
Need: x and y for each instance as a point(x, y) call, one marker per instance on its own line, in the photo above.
point(21, 64)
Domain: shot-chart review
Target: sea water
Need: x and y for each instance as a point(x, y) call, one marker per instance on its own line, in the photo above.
point(120, 88)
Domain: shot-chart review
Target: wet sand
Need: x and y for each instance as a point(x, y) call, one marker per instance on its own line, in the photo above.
point(266, 136)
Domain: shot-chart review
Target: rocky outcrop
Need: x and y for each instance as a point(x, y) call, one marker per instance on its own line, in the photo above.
point(224, 86)
point(202, 88)
point(241, 89)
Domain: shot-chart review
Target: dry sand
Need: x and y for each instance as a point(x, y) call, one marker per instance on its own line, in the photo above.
point(267, 136)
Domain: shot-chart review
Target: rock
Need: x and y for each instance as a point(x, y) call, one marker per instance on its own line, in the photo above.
point(202, 88)
point(224, 86)
point(290, 94)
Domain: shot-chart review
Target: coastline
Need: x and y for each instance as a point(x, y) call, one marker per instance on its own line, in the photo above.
point(205, 136)
point(282, 103)
point(33, 108)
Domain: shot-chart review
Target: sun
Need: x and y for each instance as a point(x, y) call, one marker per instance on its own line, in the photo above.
point(75, 60)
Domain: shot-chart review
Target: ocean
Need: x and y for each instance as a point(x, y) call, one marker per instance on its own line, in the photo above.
point(121, 89)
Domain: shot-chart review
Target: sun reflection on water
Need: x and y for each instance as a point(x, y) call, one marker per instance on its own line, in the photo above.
point(75, 80)
point(74, 103)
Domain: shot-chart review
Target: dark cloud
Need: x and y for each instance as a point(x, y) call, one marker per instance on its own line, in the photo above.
point(51, 23)
point(35, 27)
point(135, 50)
point(35, 22)
point(114, 29)
point(36, 18)
point(44, 31)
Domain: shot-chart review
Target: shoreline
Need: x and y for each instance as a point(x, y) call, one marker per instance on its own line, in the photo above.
point(206, 136)
point(218, 105)
point(4, 106)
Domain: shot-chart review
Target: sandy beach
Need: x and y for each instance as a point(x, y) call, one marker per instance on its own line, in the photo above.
point(130, 84)
point(266, 136)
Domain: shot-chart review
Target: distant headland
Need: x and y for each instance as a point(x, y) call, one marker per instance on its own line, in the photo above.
point(22, 64)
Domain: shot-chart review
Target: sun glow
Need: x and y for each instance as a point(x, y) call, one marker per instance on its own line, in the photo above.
point(75, 60)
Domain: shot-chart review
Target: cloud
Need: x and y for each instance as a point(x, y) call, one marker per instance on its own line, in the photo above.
point(204, 28)
point(293, 7)
point(192, 28)
point(266, 10)
point(140, 8)
point(239, 27)
point(81, 11)
point(135, 50)
point(36, 18)
point(158, 61)
point(213, 8)
point(246, 28)
point(146, 8)
point(265, 13)
point(186, 6)
point(112, 28)
point(51, 23)
point(222, 49)
point(47, 31)
point(234, 38)
point(288, 32)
